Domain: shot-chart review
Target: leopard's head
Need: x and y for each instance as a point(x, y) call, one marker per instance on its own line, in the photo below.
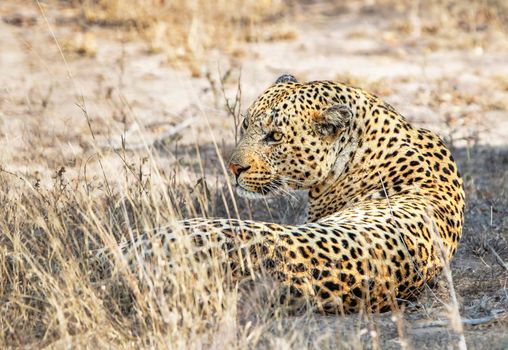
point(291, 137)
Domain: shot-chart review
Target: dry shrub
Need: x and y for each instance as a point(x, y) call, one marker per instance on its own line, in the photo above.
point(450, 23)
point(83, 44)
point(187, 30)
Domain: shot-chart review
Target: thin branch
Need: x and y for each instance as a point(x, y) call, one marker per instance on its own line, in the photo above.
point(494, 316)
point(498, 258)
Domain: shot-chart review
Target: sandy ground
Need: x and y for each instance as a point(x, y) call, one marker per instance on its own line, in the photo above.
point(462, 93)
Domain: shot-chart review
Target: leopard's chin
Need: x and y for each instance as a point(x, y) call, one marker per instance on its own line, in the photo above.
point(262, 194)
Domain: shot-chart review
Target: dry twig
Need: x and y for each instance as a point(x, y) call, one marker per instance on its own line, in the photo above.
point(494, 316)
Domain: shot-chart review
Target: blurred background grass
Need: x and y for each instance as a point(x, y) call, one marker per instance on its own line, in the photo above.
point(187, 30)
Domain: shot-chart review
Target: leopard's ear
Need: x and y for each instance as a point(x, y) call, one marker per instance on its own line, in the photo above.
point(286, 78)
point(333, 120)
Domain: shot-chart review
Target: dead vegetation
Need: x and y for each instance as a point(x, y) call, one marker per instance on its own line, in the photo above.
point(59, 206)
point(184, 31)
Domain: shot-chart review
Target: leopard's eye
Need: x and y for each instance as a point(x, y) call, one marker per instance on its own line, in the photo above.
point(277, 136)
point(274, 136)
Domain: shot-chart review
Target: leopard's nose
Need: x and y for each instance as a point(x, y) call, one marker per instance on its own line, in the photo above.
point(237, 169)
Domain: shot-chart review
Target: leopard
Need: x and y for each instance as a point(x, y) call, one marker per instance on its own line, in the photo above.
point(385, 199)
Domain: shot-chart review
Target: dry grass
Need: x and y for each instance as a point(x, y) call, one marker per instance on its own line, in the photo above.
point(53, 288)
point(54, 293)
point(447, 17)
point(438, 24)
point(187, 32)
